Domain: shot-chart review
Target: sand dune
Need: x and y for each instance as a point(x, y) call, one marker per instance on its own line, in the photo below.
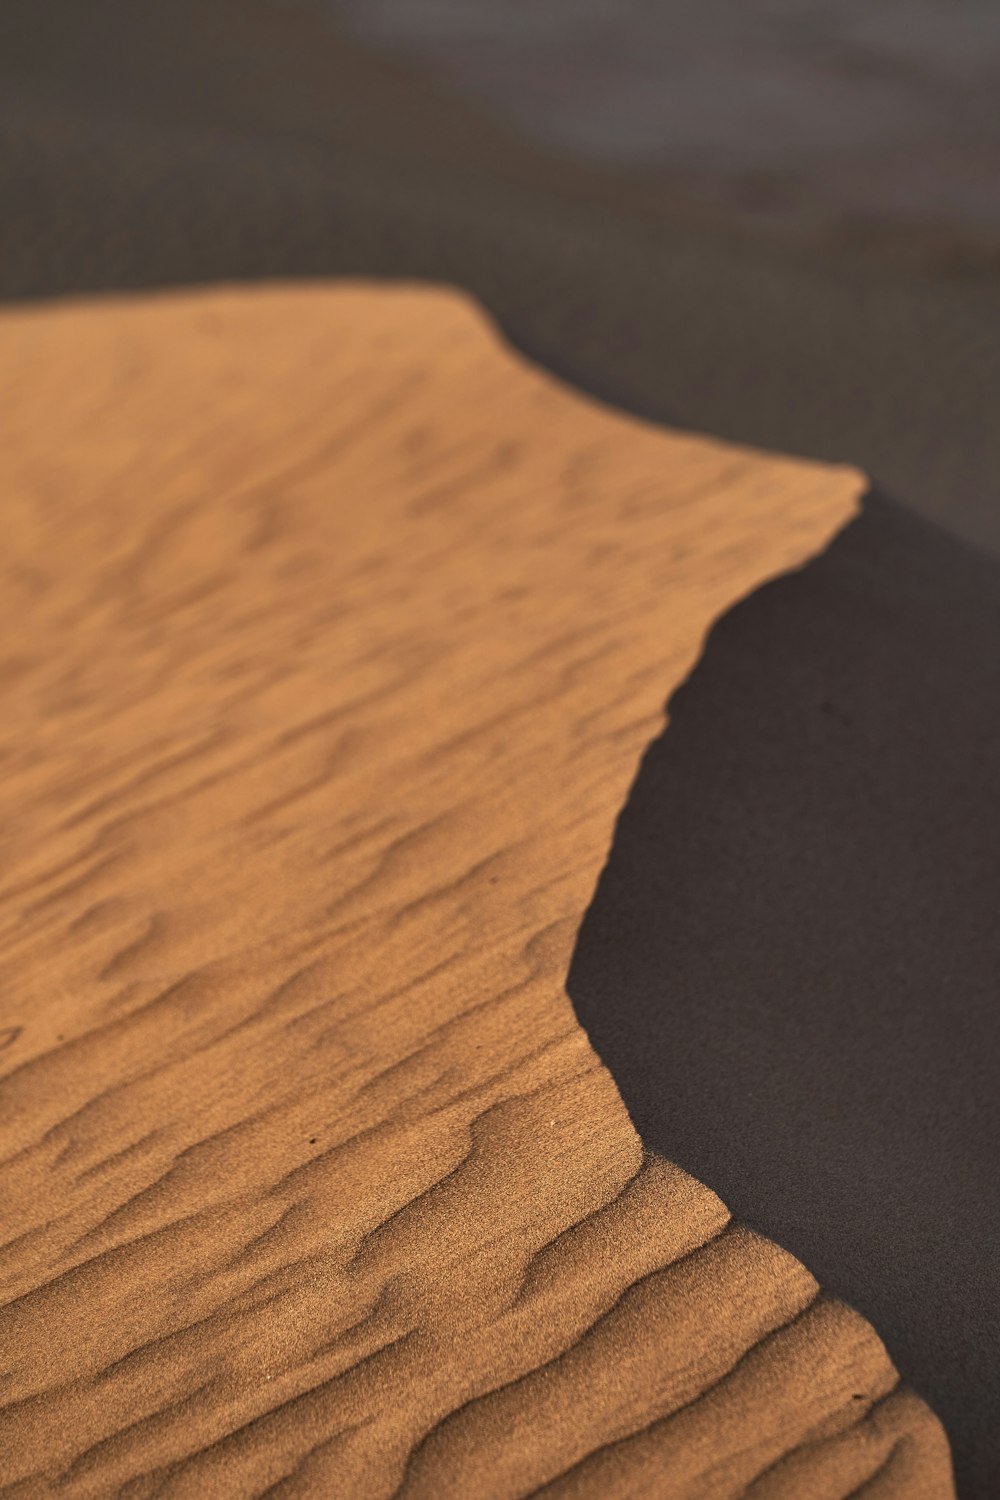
point(334, 634)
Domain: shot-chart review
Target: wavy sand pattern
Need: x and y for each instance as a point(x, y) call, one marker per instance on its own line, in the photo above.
point(336, 635)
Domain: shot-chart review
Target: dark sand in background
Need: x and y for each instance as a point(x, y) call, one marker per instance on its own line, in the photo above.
point(192, 142)
point(791, 962)
point(861, 118)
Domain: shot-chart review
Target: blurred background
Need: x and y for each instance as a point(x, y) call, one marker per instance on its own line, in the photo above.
point(840, 112)
point(777, 221)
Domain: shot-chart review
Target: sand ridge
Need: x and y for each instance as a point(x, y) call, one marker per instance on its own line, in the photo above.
point(335, 633)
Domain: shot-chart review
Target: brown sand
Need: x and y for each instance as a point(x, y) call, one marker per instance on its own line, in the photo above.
point(334, 634)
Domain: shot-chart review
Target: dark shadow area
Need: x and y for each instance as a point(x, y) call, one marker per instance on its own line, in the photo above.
point(792, 961)
point(192, 141)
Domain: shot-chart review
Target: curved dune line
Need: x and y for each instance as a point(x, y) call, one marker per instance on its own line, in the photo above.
point(333, 636)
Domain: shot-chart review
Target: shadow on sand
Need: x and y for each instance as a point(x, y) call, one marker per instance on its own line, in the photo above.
point(792, 961)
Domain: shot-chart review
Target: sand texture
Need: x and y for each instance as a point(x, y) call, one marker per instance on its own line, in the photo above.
point(333, 636)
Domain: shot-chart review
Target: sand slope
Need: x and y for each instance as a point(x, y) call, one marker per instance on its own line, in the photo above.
point(790, 962)
point(333, 634)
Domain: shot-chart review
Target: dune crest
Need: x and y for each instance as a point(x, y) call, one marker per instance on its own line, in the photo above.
point(334, 635)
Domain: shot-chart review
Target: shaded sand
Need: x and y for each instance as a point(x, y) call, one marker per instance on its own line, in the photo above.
point(790, 964)
point(200, 140)
point(334, 634)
